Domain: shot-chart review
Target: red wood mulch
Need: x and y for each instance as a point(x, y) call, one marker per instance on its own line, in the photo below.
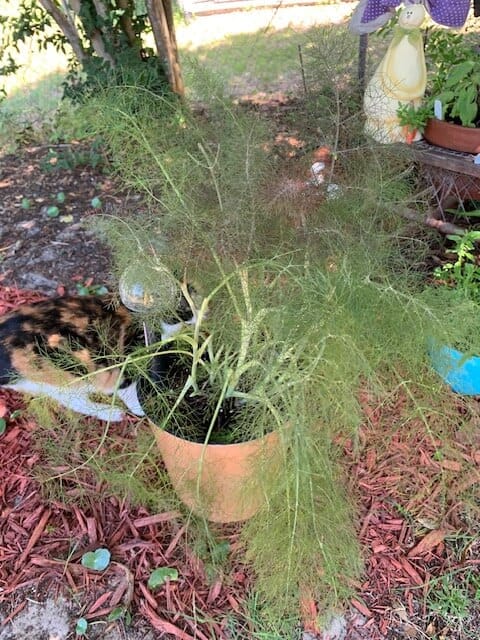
point(41, 543)
point(409, 484)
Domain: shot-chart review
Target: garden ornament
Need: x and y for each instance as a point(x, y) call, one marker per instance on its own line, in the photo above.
point(400, 78)
point(370, 15)
point(148, 286)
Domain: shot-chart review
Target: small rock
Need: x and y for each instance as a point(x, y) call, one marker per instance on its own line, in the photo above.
point(38, 282)
point(49, 254)
point(336, 629)
point(39, 620)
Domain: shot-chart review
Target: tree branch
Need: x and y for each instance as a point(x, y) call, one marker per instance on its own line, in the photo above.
point(95, 35)
point(67, 26)
point(430, 221)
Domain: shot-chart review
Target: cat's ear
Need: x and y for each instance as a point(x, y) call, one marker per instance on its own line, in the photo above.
point(371, 15)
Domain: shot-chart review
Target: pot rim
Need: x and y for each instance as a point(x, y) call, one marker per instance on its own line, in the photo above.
point(201, 445)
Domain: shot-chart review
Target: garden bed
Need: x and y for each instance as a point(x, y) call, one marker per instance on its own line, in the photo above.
point(419, 574)
point(418, 569)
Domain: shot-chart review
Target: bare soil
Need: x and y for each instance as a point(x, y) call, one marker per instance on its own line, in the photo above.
point(46, 239)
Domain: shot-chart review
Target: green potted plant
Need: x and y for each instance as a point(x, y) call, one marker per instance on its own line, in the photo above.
point(454, 69)
point(291, 325)
point(214, 393)
point(261, 376)
point(450, 111)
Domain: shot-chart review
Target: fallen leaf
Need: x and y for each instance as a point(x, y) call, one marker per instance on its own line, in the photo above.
point(431, 630)
point(428, 542)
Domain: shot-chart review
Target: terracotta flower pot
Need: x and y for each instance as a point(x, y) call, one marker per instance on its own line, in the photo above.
point(452, 136)
point(219, 481)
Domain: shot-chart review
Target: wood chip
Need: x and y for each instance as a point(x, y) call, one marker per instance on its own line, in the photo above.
point(359, 606)
point(156, 519)
point(99, 602)
point(37, 532)
point(163, 625)
point(451, 465)
point(428, 543)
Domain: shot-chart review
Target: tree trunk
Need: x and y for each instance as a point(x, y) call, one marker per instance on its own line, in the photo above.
point(160, 13)
point(127, 26)
point(161, 18)
point(95, 36)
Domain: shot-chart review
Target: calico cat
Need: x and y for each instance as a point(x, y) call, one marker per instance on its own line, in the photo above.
point(68, 348)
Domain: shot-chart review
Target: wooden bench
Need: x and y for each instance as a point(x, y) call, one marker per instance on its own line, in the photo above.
point(453, 175)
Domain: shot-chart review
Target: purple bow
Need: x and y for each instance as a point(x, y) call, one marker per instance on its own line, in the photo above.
point(373, 14)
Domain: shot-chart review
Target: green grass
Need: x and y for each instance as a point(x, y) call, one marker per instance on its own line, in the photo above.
point(255, 61)
point(263, 55)
point(454, 595)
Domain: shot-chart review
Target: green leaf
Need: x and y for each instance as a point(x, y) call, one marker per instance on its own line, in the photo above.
point(160, 576)
point(82, 290)
point(16, 414)
point(96, 202)
point(445, 97)
point(26, 202)
point(220, 551)
point(459, 72)
point(91, 290)
point(81, 627)
point(468, 113)
point(97, 560)
point(117, 614)
point(52, 212)
point(101, 290)
point(60, 197)
point(3, 426)
point(471, 235)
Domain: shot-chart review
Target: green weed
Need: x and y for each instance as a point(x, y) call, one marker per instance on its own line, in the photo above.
point(69, 157)
point(454, 594)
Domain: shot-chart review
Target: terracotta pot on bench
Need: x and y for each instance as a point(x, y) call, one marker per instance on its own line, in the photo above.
point(452, 136)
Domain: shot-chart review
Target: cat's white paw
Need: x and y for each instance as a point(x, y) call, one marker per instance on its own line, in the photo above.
point(129, 397)
point(109, 414)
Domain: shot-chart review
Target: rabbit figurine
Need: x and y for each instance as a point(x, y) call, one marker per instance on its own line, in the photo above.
point(400, 78)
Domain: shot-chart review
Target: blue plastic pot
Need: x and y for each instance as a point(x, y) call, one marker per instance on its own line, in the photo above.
point(460, 372)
